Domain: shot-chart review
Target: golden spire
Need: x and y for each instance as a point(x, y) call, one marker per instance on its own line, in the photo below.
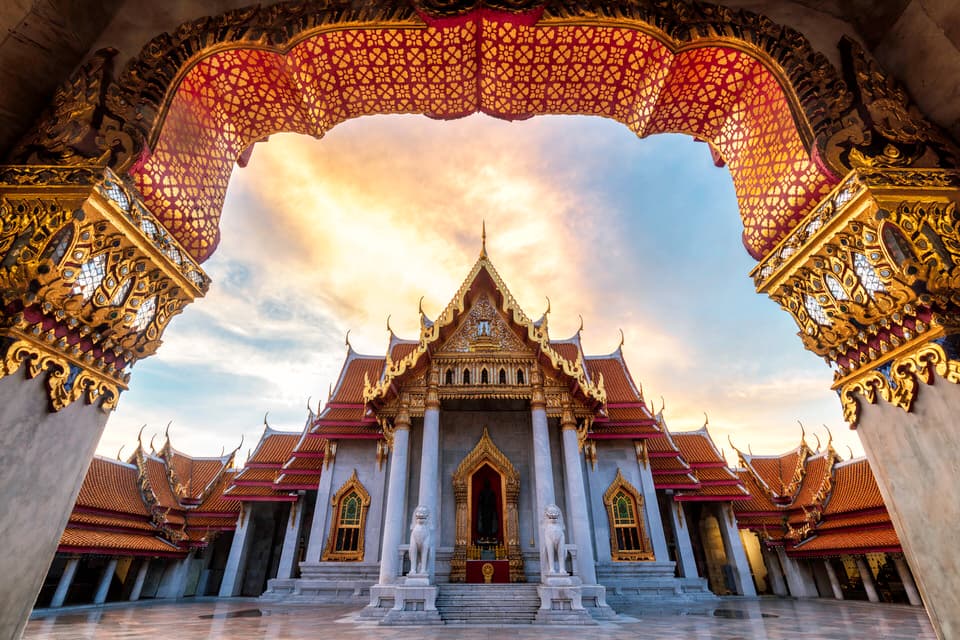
point(483, 240)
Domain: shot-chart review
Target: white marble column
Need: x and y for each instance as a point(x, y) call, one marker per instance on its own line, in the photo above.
point(799, 579)
point(173, 584)
point(913, 595)
point(291, 536)
point(66, 579)
point(542, 461)
point(139, 580)
point(105, 579)
point(733, 546)
point(651, 509)
point(774, 572)
point(428, 494)
point(577, 498)
point(233, 572)
point(834, 581)
point(322, 510)
point(394, 522)
point(681, 536)
point(867, 577)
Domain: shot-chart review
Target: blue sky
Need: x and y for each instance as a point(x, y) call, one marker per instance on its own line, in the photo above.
point(319, 237)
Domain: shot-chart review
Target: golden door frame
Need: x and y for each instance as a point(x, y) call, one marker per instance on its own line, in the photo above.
point(486, 452)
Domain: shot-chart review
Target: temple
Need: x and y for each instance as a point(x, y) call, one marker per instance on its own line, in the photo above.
point(482, 456)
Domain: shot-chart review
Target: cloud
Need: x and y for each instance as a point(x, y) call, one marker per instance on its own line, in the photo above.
point(321, 237)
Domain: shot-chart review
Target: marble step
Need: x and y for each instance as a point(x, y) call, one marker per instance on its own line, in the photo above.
point(488, 604)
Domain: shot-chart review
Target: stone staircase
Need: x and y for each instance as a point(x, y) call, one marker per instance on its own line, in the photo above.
point(489, 604)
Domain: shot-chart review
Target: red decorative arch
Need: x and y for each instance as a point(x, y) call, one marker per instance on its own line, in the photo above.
point(497, 63)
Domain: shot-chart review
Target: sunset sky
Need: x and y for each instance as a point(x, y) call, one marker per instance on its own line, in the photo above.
point(322, 236)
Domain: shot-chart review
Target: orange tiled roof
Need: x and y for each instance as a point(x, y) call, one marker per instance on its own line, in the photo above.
point(844, 521)
point(343, 414)
point(111, 485)
point(852, 541)
point(274, 447)
point(616, 378)
point(194, 474)
point(568, 350)
point(256, 474)
point(736, 492)
point(288, 481)
point(664, 479)
point(759, 499)
point(716, 475)
point(817, 476)
point(634, 413)
point(111, 542)
point(400, 350)
point(214, 503)
point(349, 387)
point(855, 488)
point(95, 520)
point(240, 492)
point(156, 472)
point(697, 447)
point(661, 444)
point(666, 465)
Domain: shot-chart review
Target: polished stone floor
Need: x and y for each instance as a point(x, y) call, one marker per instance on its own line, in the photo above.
point(731, 619)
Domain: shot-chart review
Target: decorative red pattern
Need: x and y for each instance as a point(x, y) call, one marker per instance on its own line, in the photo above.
point(236, 97)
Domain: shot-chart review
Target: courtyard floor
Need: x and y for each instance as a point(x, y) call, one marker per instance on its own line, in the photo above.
point(238, 619)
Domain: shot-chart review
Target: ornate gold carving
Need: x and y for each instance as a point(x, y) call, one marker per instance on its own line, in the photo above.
point(486, 453)
point(331, 455)
point(899, 384)
point(330, 552)
point(640, 447)
point(487, 570)
point(431, 333)
point(89, 280)
point(432, 399)
point(882, 127)
point(590, 453)
point(645, 550)
point(483, 330)
point(871, 277)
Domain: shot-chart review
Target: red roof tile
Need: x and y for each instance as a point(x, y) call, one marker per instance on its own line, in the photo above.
point(111, 485)
point(616, 379)
point(111, 542)
point(855, 488)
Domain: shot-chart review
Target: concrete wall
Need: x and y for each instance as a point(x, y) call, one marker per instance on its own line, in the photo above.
point(914, 458)
point(43, 459)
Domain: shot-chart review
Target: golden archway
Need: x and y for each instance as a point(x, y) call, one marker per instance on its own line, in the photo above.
point(486, 453)
point(349, 504)
point(628, 531)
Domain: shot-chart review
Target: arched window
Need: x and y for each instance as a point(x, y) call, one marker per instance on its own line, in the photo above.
point(503, 376)
point(519, 376)
point(349, 506)
point(448, 378)
point(466, 376)
point(628, 538)
point(484, 376)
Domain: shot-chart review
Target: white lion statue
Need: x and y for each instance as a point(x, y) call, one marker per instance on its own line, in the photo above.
point(552, 534)
point(420, 541)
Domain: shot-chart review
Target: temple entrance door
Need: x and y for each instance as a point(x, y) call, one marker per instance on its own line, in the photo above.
point(486, 553)
point(486, 488)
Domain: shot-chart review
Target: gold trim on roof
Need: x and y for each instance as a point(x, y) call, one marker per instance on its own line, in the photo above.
point(430, 334)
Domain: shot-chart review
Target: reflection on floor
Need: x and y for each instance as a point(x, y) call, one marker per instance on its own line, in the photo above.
point(238, 619)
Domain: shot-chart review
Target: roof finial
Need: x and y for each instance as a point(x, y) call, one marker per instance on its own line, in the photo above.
point(346, 340)
point(803, 433)
point(388, 324)
point(663, 405)
point(265, 423)
point(850, 449)
point(483, 240)
point(750, 448)
point(547, 312)
point(223, 450)
point(818, 441)
point(120, 451)
point(140, 435)
point(706, 419)
point(420, 306)
point(580, 330)
point(330, 392)
point(309, 408)
point(829, 433)
point(152, 438)
point(622, 340)
point(166, 432)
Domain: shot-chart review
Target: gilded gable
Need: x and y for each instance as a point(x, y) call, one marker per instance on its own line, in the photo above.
point(483, 329)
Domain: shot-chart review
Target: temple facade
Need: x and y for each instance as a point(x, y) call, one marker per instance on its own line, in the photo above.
point(483, 453)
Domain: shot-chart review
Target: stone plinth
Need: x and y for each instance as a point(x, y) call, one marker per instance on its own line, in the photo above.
point(413, 604)
point(561, 601)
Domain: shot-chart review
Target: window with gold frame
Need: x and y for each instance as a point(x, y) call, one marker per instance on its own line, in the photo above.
point(628, 536)
point(349, 506)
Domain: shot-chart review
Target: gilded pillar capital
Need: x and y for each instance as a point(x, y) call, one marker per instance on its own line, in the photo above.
point(89, 280)
point(538, 399)
point(871, 277)
point(432, 399)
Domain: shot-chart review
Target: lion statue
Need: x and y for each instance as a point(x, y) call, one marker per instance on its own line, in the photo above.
point(420, 541)
point(552, 534)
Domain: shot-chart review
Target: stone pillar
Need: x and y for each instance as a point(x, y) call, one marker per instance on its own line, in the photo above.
point(173, 583)
point(51, 453)
point(141, 577)
point(799, 579)
point(867, 577)
point(898, 444)
point(321, 510)
point(291, 536)
point(394, 521)
point(577, 498)
point(428, 494)
point(907, 579)
point(542, 462)
point(233, 572)
point(651, 509)
point(834, 581)
point(681, 534)
point(66, 579)
point(105, 579)
point(733, 546)
point(774, 572)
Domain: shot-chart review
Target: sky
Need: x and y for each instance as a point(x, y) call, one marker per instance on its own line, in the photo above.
point(319, 237)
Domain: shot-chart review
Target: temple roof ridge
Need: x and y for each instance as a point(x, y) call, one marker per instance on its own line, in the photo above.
point(115, 461)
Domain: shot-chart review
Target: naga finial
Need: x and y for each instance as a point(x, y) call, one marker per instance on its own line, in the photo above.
point(830, 434)
point(706, 419)
point(346, 340)
point(580, 330)
point(818, 441)
point(547, 312)
point(309, 408)
point(803, 433)
point(850, 449)
point(483, 239)
point(120, 451)
point(152, 438)
point(166, 432)
point(140, 435)
point(622, 340)
point(265, 423)
point(388, 324)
